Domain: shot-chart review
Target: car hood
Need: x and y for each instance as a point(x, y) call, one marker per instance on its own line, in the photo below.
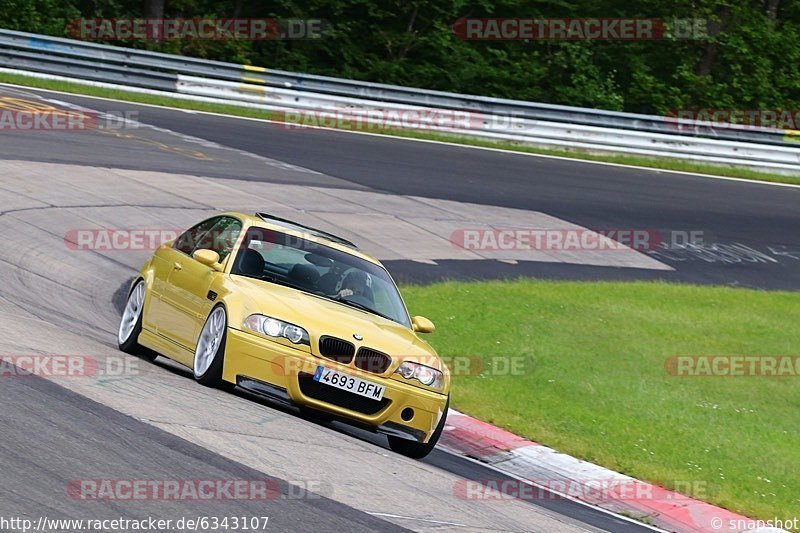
point(321, 316)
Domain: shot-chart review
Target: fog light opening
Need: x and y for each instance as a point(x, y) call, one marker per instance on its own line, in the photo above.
point(407, 414)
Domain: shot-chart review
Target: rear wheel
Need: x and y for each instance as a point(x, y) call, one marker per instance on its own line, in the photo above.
point(419, 450)
point(130, 325)
point(210, 351)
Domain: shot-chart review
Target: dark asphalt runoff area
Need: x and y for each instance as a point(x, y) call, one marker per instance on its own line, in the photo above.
point(53, 439)
point(715, 231)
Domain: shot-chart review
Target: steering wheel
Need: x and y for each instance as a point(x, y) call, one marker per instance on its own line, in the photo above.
point(361, 300)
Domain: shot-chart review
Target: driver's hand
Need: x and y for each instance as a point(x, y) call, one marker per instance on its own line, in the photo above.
point(345, 292)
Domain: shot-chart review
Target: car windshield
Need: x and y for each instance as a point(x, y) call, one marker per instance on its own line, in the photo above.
point(311, 267)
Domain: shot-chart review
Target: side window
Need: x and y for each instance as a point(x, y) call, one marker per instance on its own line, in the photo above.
point(222, 237)
point(187, 242)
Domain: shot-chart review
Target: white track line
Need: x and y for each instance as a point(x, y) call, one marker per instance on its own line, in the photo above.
point(387, 515)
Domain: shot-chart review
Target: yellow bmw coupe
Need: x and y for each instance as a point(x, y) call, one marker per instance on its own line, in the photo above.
point(297, 315)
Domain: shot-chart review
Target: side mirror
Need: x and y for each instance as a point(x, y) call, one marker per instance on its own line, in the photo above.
point(422, 325)
point(209, 258)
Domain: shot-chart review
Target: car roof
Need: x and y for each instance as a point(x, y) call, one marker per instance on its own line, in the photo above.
point(296, 229)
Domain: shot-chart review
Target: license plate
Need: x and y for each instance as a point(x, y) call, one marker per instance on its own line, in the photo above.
point(348, 383)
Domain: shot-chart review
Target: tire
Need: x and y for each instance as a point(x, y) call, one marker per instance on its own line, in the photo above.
point(130, 325)
point(210, 351)
point(419, 450)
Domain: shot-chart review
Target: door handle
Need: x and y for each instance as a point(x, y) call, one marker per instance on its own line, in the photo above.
point(177, 266)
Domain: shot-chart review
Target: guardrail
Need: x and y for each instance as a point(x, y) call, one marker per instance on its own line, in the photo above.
point(492, 118)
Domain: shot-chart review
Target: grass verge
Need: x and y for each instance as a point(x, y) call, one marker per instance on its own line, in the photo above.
point(649, 162)
point(599, 389)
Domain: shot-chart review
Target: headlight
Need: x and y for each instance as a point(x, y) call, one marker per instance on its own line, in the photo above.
point(294, 333)
point(272, 327)
point(426, 375)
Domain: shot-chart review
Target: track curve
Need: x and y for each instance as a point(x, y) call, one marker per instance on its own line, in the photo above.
point(58, 300)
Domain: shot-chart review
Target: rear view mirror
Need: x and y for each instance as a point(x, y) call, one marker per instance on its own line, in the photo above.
point(319, 260)
point(422, 325)
point(208, 257)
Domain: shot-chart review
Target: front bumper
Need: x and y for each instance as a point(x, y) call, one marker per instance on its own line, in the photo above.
point(284, 373)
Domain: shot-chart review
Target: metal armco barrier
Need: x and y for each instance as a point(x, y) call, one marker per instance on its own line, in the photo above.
point(491, 118)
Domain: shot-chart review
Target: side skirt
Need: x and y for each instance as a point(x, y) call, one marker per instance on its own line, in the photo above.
point(166, 347)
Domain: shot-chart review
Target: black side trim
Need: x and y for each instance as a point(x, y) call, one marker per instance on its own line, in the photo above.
point(397, 430)
point(264, 389)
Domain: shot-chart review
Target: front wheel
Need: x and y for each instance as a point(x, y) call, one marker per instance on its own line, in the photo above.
point(210, 351)
point(419, 450)
point(130, 326)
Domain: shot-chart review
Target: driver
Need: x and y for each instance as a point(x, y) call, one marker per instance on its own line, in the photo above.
point(356, 283)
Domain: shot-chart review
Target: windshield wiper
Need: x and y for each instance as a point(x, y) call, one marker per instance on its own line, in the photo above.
point(362, 307)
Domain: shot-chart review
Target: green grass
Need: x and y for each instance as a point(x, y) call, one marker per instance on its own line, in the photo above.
point(650, 162)
point(598, 388)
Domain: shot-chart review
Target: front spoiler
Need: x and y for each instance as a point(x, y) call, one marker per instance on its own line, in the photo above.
point(278, 394)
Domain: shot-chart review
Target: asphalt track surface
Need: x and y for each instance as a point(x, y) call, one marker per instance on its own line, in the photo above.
point(154, 422)
point(748, 231)
point(51, 435)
